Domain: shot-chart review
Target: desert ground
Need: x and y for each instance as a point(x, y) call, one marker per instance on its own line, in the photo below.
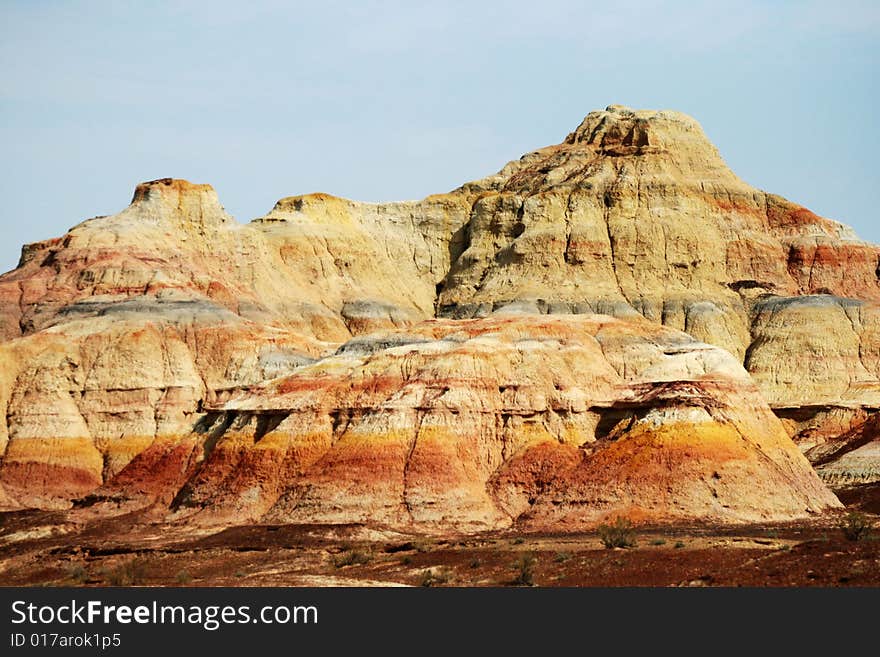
point(63, 548)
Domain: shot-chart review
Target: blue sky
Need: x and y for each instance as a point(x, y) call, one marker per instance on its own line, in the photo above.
point(397, 100)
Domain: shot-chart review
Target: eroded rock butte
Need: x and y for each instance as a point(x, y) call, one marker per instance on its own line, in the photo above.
point(615, 325)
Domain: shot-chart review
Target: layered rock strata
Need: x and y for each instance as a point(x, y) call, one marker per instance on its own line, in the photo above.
point(546, 423)
point(146, 353)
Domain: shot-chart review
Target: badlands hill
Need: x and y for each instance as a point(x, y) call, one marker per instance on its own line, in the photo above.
point(615, 325)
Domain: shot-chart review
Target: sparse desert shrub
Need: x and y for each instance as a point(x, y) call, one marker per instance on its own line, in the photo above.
point(476, 563)
point(406, 560)
point(525, 570)
point(77, 573)
point(562, 557)
point(619, 534)
point(435, 577)
point(856, 526)
point(128, 573)
point(183, 577)
point(519, 540)
point(352, 558)
point(679, 545)
point(658, 541)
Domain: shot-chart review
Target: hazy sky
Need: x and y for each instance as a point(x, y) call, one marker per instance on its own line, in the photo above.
point(397, 100)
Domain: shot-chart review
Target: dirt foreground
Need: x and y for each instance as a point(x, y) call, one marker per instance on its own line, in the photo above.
point(65, 549)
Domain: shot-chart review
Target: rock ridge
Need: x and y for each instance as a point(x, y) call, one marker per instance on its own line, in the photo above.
point(340, 360)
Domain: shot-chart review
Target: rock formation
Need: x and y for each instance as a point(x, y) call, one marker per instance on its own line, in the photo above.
point(596, 330)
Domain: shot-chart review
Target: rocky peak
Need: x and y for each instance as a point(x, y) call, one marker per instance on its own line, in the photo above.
point(179, 201)
point(317, 207)
point(619, 146)
point(620, 130)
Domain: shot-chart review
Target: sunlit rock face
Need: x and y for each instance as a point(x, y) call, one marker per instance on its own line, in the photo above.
point(601, 328)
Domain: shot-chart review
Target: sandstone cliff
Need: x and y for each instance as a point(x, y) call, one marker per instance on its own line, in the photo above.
point(290, 368)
